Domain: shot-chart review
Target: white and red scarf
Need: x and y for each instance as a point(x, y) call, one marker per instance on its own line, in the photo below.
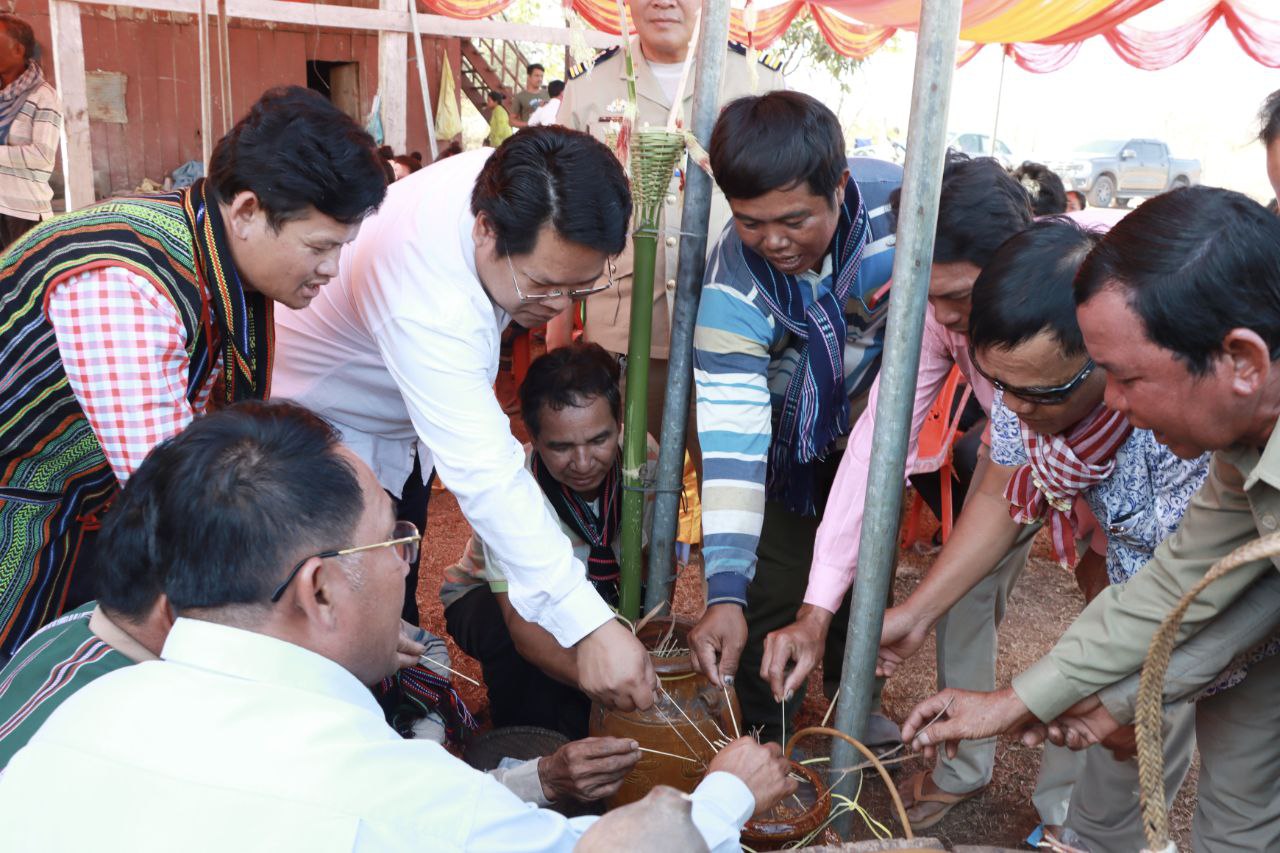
point(1059, 468)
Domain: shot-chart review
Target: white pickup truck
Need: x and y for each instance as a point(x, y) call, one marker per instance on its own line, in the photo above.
point(1112, 171)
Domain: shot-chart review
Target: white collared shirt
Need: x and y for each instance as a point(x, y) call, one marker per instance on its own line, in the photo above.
point(401, 351)
point(236, 741)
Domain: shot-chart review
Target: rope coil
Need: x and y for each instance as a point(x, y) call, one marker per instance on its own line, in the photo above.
point(1149, 710)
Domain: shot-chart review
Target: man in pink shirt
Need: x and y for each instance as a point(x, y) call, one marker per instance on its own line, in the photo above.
point(981, 206)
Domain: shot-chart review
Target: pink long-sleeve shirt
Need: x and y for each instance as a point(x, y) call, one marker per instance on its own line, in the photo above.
point(835, 552)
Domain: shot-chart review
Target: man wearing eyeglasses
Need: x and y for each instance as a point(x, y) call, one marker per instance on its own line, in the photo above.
point(979, 208)
point(1055, 444)
point(400, 353)
point(286, 573)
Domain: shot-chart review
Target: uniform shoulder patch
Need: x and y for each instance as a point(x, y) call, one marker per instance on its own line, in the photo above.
point(583, 67)
point(769, 60)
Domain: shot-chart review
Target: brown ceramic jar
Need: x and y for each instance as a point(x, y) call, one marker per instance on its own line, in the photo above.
point(691, 717)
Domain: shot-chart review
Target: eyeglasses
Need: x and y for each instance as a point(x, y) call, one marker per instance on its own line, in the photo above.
point(1040, 396)
point(405, 541)
point(609, 271)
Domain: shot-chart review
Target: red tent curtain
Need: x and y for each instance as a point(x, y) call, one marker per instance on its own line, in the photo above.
point(857, 28)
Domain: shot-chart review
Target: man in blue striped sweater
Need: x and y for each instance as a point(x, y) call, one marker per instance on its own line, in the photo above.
point(788, 341)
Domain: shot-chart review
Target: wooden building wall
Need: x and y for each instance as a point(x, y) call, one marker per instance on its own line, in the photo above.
point(157, 53)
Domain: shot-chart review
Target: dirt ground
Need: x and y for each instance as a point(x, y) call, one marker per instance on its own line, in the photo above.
point(1041, 607)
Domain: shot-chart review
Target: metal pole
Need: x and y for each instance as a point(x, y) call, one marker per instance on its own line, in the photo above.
point(422, 82)
point(693, 259)
point(995, 129)
point(917, 219)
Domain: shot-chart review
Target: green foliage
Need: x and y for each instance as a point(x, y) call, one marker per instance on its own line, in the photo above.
point(804, 46)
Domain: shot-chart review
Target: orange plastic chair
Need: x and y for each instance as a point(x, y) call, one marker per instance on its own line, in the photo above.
point(936, 440)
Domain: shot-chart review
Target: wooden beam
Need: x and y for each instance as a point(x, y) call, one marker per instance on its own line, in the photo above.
point(358, 18)
point(68, 72)
point(393, 63)
point(206, 85)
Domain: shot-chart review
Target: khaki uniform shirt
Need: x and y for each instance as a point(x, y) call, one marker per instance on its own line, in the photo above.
point(601, 91)
point(1239, 502)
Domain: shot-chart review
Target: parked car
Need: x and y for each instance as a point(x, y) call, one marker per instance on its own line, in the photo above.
point(979, 145)
point(892, 152)
point(1112, 171)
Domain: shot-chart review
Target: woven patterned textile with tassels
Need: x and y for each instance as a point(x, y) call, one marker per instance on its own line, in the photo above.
point(1149, 711)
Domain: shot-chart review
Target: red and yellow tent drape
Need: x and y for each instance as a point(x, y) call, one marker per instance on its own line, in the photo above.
point(1040, 35)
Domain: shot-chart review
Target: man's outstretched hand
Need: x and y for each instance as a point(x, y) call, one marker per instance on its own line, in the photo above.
point(801, 643)
point(716, 642)
point(589, 769)
point(760, 766)
point(963, 715)
point(615, 669)
point(1088, 722)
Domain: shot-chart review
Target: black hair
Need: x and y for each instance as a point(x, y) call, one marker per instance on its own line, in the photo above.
point(1269, 119)
point(252, 489)
point(21, 32)
point(294, 151)
point(535, 66)
point(980, 207)
point(410, 162)
point(496, 96)
point(1026, 287)
point(559, 176)
point(776, 141)
point(569, 376)
point(1043, 186)
point(1080, 199)
point(129, 573)
point(555, 88)
point(1193, 264)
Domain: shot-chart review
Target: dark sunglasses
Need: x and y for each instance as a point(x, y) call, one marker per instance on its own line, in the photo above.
point(1040, 396)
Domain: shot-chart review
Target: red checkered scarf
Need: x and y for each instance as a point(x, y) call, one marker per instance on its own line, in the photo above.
point(1060, 467)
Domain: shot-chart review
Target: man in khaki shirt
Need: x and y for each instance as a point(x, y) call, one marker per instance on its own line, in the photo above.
point(1198, 270)
point(594, 100)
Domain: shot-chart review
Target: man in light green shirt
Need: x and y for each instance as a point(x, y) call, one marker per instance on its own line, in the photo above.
point(1198, 272)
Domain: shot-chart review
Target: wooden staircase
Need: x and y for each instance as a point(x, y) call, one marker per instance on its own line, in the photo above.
point(491, 64)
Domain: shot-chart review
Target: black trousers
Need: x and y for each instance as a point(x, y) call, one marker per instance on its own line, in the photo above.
point(413, 507)
point(773, 598)
point(520, 694)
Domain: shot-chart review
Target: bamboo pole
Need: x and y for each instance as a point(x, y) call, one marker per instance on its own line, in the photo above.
point(653, 158)
point(926, 142)
point(206, 96)
point(422, 81)
point(692, 261)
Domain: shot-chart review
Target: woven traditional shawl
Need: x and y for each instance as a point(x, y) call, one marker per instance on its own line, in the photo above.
point(54, 478)
point(599, 531)
point(815, 408)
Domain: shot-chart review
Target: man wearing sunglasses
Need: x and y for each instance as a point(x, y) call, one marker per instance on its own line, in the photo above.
point(286, 573)
point(1055, 445)
point(401, 353)
point(980, 207)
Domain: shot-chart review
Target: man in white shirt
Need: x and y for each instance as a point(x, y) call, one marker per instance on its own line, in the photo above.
point(255, 731)
point(548, 112)
point(400, 353)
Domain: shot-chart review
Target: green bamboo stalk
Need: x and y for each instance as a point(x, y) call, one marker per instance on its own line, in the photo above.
point(653, 159)
point(635, 421)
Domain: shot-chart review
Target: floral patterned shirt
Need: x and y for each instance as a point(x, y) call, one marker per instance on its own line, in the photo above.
point(1138, 506)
